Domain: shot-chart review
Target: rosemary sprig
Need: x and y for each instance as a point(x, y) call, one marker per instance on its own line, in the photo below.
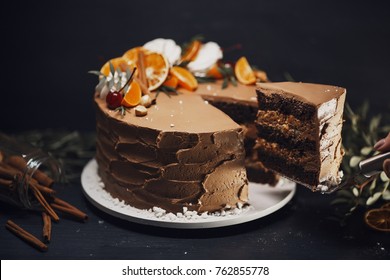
point(167, 90)
point(206, 79)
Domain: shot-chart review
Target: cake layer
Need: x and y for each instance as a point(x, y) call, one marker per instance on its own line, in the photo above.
point(288, 125)
point(291, 171)
point(184, 153)
point(306, 158)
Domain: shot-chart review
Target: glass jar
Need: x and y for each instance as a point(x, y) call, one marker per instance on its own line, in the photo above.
point(31, 164)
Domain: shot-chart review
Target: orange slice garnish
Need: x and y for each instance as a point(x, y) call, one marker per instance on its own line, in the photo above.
point(386, 206)
point(214, 72)
point(191, 51)
point(118, 62)
point(131, 56)
point(185, 78)
point(244, 72)
point(133, 95)
point(156, 68)
point(171, 81)
point(156, 65)
point(378, 219)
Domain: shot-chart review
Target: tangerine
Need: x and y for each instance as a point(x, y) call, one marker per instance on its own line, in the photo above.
point(244, 72)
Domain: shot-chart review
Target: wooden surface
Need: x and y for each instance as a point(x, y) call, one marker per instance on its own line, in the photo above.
point(300, 230)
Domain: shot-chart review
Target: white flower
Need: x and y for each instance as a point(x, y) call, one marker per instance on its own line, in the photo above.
point(167, 47)
point(207, 56)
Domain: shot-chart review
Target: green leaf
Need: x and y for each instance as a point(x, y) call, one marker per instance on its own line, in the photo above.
point(340, 200)
point(372, 186)
point(112, 69)
point(364, 109)
point(288, 77)
point(345, 193)
point(372, 199)
point(97, 73)
point(225, 83)
point(233, 81)
point(366, 151)
point(348, 110)
point(354, 161)
point(386, 195)
point(384, 177)
point(374, 123)
point(367, 139)
point(206, 79)
point(111, 83)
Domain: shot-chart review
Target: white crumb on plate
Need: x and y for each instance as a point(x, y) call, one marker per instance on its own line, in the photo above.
point(161, 214)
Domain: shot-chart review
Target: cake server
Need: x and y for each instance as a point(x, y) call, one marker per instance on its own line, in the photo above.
point(367, 168)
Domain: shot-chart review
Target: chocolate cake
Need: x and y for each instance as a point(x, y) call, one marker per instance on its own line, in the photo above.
point(299, 131)
point(184, 153)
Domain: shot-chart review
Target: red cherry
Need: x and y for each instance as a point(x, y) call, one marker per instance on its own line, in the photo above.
point(114, 100)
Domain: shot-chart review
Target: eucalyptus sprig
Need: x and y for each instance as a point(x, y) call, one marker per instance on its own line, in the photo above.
point(360, 132)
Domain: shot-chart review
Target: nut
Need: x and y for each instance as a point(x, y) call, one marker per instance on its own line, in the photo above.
point(146, 101)
point(140, 111)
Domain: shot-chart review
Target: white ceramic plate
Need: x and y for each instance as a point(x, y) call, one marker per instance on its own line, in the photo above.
point(263, 200)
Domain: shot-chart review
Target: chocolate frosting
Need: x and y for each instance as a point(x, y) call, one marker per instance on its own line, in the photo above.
point(315, 94)
point(184, 153)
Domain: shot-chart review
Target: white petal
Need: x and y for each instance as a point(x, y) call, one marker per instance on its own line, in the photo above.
point(208, 55)
point(167, 47)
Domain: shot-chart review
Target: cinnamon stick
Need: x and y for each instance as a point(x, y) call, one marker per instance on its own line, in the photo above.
point(21, 164)
point(71, 211)
point(6, 172)
point(144, 88)
point(38, 195)
point(141, 68)
point(61, 202)
point(46, 231)
point(5, 182)
point(26, 236)
point(42, 189)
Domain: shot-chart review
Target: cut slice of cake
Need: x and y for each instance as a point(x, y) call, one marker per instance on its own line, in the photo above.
point(299, 131)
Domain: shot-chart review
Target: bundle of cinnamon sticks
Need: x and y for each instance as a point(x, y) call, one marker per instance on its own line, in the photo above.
point(12, 169)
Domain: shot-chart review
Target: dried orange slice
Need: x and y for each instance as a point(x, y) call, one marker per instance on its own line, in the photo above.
point(191, 51)
point(156, 69)
point(214, 72)
point(131, 56)
point(378, 219)
point(186, 79)
point(171, 81)
point(156, 65)
point(133, 95)
point(244, 72)
point(118, 62)
point(386, 206)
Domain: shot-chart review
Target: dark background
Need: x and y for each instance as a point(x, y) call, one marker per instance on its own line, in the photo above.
point(48, 47)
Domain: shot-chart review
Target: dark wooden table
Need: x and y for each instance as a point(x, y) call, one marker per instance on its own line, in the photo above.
point(300, 230)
